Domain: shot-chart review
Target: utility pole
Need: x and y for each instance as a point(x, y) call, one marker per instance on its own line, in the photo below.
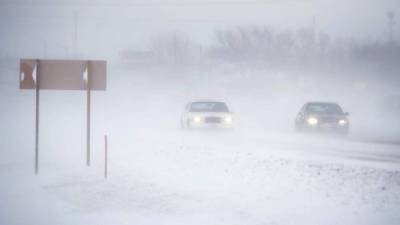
point(44, 48)
point(76, 34)
point(314, 23)
point(390, 16)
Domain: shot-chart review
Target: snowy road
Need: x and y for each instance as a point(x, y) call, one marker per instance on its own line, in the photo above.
point(236, 177)
point(304, 146)
point(160, 174)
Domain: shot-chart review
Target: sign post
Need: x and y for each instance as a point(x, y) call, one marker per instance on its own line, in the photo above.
point(37, 89)
point(88, 122)
point(62, 75)
point(86, 77)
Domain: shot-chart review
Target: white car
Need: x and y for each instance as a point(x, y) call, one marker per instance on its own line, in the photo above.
point(207, 114)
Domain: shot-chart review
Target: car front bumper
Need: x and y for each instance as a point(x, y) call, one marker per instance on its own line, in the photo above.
point(205, 125)
point(333, 128)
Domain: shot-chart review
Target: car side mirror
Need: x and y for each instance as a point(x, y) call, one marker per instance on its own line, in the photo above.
point(346, 114)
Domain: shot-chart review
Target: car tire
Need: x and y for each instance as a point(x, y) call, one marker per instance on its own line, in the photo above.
point(298, 128)
point(185, 125)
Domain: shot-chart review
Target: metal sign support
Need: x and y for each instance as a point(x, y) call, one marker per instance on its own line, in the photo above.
point(36, 74)
point(88, 119)
point(37, 87)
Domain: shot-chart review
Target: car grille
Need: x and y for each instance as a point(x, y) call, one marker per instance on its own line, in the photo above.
point(212, 119)
point(328, 120)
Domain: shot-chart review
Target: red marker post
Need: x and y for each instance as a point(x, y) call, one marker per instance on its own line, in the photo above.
point(105, 157)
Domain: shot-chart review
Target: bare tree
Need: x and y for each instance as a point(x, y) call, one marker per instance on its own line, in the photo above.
point(323, 43)
point(284, 46)
point(245, 44)
point(305, 45)
point(390, 16)
point(176, 49)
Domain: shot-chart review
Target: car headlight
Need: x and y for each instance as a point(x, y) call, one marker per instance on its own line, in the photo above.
point(342, 122)
point(197, 119)
point(312, 121)
point(228, 119)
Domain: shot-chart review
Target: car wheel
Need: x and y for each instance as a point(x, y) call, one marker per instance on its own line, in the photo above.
point(298, 128)
point(185, 125)
point(344, 133)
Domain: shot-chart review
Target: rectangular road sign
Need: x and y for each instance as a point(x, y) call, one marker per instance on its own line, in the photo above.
point(84, 75)
point(63, 74)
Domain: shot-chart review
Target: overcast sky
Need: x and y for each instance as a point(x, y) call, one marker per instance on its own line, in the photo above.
point(50, 24)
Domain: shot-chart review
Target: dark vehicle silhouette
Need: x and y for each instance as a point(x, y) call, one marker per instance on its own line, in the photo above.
point(322, 117)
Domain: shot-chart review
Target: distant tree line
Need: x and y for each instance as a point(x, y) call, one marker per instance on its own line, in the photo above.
point(269, 48)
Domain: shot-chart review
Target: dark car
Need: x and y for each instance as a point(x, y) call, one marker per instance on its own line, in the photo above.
point(322, 116)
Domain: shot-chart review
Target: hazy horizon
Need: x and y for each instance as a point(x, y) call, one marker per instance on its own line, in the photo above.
point(29, 27)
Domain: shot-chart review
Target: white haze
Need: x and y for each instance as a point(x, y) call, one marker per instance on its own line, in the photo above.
point(261, 172)
point(31, 27)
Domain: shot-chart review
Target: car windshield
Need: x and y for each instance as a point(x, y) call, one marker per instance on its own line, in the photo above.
point(208, 107)
point(324, 108)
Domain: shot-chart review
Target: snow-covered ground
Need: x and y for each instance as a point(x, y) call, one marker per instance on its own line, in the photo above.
point(260, 173)
point(165, 182)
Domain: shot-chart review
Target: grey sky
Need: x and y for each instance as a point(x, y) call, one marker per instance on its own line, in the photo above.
point(51, 23)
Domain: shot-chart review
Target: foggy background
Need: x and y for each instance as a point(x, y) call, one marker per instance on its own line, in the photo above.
point(265, 58)
point(104, 28)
